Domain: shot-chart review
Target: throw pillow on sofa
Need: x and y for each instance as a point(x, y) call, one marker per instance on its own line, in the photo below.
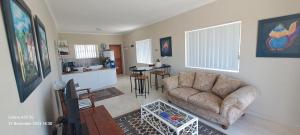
point(226, 85)
point(186, 79)
point(204, 81)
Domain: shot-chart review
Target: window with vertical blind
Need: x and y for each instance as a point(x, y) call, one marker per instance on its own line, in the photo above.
point(144, 51)
point(85, 51)
point(216, 47)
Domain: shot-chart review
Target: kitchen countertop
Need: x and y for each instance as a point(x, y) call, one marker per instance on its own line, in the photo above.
point(77, 72)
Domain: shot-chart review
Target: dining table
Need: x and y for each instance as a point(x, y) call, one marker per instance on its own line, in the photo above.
point(142, 69)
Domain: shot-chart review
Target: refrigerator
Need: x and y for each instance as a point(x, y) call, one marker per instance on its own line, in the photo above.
point(110, 63)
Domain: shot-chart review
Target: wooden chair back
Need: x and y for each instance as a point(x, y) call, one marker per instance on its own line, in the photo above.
point(133, 73)
point(131, 68)
point(63, 103)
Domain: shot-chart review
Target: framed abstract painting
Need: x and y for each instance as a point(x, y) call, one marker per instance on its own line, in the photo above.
point(42, 46)
point(279, 37)
point(166, 47)
point(22, 47)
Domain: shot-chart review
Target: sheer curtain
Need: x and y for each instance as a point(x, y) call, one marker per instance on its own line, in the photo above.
point(216, 47)
point(85, 51)
point(144, 51)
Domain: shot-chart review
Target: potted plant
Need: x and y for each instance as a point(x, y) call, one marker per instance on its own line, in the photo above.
point(157, 63)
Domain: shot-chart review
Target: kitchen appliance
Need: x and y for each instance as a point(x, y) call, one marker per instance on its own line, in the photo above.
point(110, 61)
point(109, 54)
point(110, 64)
point(68, 67)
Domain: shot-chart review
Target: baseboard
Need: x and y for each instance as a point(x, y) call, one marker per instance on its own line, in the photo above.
point(271, 120)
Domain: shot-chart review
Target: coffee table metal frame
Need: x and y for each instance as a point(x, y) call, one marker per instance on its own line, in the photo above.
point(188, 127)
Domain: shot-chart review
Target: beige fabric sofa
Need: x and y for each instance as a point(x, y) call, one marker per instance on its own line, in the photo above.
point(215, 97)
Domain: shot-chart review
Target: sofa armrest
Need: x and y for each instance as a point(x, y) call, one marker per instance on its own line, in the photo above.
point(170, 83)
point(235, 103)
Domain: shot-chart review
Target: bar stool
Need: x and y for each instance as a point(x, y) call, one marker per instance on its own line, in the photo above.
point(160, 72)
point(154, 72)
point(141, 82)
point(133, 75)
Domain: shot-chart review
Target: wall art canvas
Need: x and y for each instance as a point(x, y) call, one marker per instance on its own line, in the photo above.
point(166, 47)
point(279, 37)
point(42, 46)
point(21, 41)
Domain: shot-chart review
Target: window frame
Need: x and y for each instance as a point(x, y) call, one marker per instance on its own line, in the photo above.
point(85, 48)
point(151, 56)
point(216, 69)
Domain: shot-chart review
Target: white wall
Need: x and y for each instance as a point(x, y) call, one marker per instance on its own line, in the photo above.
point(41, 102)
point(277, 79)
point(75, 38)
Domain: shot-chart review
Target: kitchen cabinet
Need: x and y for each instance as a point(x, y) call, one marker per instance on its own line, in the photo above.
point(95, 79)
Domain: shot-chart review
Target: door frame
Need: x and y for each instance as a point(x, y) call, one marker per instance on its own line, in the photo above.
point(122, 55)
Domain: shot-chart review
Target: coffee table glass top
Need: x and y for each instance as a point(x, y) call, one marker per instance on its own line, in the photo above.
point(168, 113)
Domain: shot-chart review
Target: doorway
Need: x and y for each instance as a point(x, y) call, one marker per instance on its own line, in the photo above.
point(118, 57)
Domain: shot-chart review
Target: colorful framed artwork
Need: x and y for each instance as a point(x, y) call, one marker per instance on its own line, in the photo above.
point(42, 46)
point(166, 47)
point(279, 37)
point(21, 40)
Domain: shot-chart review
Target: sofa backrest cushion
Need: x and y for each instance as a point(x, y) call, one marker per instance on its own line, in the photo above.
point(204, 81)
point(226, 85)
point(186, 79)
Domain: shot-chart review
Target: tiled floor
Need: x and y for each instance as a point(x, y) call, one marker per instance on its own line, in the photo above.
point(247, 125)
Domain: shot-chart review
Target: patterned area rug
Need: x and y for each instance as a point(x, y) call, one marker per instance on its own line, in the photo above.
point(131, 125)
point(105, 93)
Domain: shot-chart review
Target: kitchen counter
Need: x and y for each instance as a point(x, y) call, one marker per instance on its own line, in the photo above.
point(95, 79)
point(76, 72)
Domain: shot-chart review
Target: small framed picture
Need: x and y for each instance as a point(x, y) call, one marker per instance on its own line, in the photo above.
point(166, 47)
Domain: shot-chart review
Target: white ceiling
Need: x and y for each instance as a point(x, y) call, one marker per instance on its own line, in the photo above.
point(115, 16)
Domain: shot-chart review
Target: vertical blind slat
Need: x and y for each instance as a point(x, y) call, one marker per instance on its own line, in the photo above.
point(144, 51)
point(214, 47)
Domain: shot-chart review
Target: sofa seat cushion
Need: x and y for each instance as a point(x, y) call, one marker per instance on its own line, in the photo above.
point(186, 79)
point(207, 101)
point(204, 81)
point(226, 85)
point(183, 93)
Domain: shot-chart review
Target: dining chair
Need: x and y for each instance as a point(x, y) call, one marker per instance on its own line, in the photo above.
point(163, 72)
point(133, 75)
point(85, 97)
point(153, 72)
point(139, 82)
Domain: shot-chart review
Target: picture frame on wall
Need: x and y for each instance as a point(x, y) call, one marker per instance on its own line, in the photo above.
point(166, 47)
point(42, 46)
point(279, 37)
point(21, 40)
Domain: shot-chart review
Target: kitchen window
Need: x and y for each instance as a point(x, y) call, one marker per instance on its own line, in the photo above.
point(216, 47)
point(144, 51)
point(86, 51)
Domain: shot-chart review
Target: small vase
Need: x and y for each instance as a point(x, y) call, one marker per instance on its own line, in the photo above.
point(157, 64)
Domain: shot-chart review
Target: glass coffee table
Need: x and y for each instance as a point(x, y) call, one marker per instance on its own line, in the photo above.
point(168, 119)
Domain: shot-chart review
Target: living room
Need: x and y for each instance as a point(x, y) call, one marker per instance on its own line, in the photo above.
point(252, 46)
